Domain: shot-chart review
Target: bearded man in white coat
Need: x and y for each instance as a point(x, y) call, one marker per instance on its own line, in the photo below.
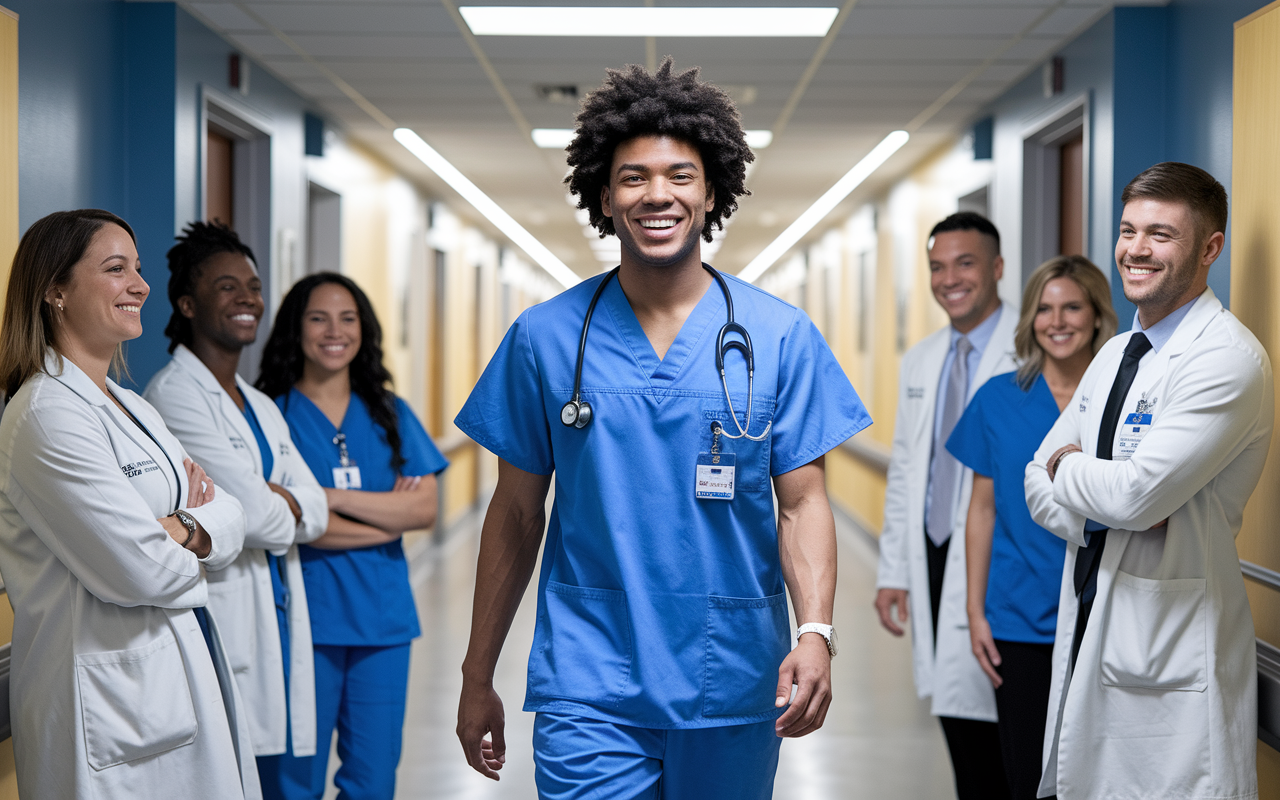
point(922, 543)
point(1146, 475)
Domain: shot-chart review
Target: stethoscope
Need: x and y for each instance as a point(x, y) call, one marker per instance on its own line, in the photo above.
point(577, 412)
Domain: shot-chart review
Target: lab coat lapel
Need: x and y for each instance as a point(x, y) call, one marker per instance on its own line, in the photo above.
point(995, 353)
point(928, 375)
point(74, 378)
point(226, 406)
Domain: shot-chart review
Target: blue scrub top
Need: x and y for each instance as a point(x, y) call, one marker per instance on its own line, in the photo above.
point(275, 563)
point(997, 437)
point(359, 597)
point(656, 609)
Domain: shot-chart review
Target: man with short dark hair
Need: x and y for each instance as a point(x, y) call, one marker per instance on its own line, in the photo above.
point(661, 664)
point(922, 547)
point(1146, 475)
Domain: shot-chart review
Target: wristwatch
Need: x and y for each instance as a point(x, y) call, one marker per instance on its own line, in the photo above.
point(825, 631)
point(188, 522)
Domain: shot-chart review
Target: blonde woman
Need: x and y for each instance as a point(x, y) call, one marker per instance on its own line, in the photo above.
point(118, 687)
point(1066, 317)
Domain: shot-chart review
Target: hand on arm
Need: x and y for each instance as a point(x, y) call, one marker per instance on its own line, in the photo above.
point(978, 532)
point(294, 508)
point(509, 542)
point(199, 491)
point(807, 549)
point(409, 506)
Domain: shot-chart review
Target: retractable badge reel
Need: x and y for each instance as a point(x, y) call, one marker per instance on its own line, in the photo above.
point(346, 476)
point(716, 470)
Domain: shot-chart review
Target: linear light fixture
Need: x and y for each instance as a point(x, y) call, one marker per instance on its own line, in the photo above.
point(492, 211)
point(559, 138)
point(823, 205)
point(646, 21)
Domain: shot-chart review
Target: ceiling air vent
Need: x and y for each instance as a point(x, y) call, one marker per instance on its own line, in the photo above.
point(566, 93)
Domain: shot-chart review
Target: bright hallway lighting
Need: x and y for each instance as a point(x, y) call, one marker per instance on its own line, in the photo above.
point(646, 21)
point(492, 211)
point(559, 138)
point(823, 206)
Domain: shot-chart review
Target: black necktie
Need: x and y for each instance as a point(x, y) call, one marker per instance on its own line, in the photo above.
point(1089, 556)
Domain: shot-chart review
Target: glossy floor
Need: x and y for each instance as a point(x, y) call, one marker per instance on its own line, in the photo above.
point(878, 742)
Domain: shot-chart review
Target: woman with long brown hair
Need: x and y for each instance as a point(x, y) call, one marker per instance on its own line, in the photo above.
point(1014, 566)
point(118, 686)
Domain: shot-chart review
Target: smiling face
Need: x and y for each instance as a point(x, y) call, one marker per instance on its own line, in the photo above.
point(226, 303)
point(101, 306)
point(330, 329)
point(658, 197)
point(963, 272)
point(1163, 258)
point(1065, 321)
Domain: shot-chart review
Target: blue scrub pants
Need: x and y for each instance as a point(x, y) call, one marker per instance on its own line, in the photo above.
point(583, 759)
point(360, 691)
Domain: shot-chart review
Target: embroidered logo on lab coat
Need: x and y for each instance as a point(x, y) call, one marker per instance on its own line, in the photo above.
point(137, 468)
point(915, 392)
point(1084, 404)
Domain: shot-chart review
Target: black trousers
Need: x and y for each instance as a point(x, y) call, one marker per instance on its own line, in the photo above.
point(1023, 704)
point(974, 745)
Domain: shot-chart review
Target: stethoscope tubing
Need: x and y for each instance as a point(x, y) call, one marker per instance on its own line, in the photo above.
point(730, 326)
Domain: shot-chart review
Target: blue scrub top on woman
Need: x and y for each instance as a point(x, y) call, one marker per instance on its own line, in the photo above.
point(359, 597)
point(657, 609)
point(997, 437)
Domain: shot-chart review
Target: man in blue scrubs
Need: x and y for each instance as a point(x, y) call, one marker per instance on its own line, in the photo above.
point(661, 665)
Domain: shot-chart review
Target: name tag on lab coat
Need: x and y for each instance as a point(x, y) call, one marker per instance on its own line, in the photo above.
point(1133, 430)
point(715, 476)
point(346, 477)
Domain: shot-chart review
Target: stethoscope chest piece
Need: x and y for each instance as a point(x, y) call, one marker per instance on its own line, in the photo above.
point(576, 414)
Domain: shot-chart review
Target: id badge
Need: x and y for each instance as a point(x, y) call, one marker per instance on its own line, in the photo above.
point(715, 476)
point(346, 477)
point(1132, 432)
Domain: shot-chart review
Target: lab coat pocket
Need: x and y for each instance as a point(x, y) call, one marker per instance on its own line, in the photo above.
point(1154, 636)
point(752, 467)
point(135, 703)
point(582, 645)
point(232, 604)
point(747, 638)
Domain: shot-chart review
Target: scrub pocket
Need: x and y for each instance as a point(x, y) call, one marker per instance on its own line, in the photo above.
point(135, 703)
point(752, 467)
point(747, 638)
point(232, 605)
point(582, 646)
point(1155, 635)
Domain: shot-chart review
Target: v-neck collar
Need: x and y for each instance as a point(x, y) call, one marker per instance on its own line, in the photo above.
point(316, 409)
point(662, 371)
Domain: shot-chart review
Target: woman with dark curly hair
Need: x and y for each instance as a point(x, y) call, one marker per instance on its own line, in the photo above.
point(660, 660)
point(323, 365)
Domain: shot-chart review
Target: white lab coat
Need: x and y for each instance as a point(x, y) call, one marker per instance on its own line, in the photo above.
point(951, 675)
point(1164, 702)
point(216, 434)
point(113, 692)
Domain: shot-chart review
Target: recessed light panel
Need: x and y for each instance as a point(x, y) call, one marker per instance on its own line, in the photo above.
point(647, 21)
point(559, 138)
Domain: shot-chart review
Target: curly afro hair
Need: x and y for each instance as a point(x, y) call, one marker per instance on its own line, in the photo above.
point(632, 103)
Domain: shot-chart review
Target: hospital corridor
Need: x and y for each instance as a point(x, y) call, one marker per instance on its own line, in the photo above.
point(639, 399)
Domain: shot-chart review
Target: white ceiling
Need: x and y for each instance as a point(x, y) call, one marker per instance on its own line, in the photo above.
point(890, 61)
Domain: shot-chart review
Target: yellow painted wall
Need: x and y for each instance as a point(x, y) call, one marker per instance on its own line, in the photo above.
point(1255, 290)
point(8, 244)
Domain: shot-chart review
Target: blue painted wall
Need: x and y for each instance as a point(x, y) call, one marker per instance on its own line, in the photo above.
point(71, 68)
point(1176, 107)
point(109, 117)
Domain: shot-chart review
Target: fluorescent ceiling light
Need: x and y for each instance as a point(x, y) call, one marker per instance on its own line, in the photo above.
point(492, 211)
point(646, 21)
point(553, 138)
point(823, 206)
point(559, 138)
